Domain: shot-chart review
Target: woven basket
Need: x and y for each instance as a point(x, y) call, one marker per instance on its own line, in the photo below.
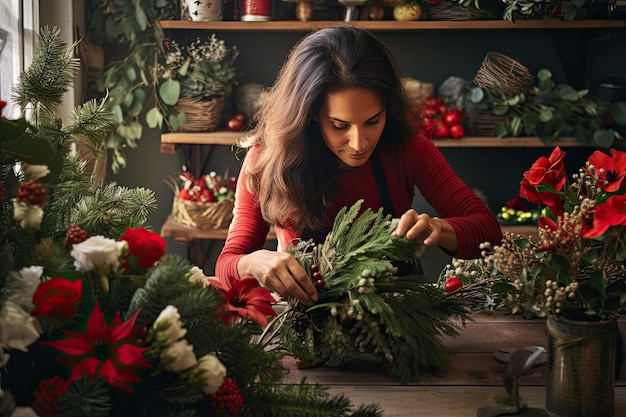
point(482, 122)
point(216, 215)
point(503, 76)
point(449, 10)
point(202, 115)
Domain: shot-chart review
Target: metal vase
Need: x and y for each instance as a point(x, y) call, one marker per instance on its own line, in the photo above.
point(581, 368)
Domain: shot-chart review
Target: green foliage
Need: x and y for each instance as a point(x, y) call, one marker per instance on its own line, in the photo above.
point(540, 9)
point(363, 306)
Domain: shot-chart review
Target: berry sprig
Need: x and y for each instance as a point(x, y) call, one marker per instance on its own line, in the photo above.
point(228, 398)
point(317, 276)
point(75, 234)
point(439, 121)
point(32, 193)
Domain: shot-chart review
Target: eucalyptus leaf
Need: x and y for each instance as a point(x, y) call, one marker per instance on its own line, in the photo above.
point(500, 109)
point(169, 92)
point(154, 118)
point(476, 95)
point(118, 115)
point(604, 138)
point(566, 92)
point(618, 112)
point(128, 100)
point(131, 74)
point(515, 125)
point(141, 18)
point(500, 131)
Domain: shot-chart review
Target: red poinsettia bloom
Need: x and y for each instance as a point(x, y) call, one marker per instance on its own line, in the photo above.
point(104, 351)
point(610, 213)
point(145, 248)
point(57, 296)
point(245, 298)
point(611, 170)
point(548, 173)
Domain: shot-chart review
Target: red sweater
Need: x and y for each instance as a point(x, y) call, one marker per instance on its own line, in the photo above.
point(416, 164)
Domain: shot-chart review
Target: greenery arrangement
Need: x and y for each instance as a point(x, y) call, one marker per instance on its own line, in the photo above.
point(95, 319)
point(202, 69)
point(575, 270)
point(550, 111)
point(513, 10)
point(364, 306)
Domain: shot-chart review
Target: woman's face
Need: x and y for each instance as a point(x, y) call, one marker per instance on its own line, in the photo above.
point(351, 121)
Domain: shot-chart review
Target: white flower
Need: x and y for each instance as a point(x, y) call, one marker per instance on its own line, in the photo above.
point(178, 356)
point(24, 412)
point(211, 372)
point(196, 276)
point(18, 329)
point(29, 216)
point(168, 325)
point(97, 252)
point(34, 172)
point(23, 287)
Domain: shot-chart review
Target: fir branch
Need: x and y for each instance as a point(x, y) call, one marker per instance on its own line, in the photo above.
point(43, 84)
point(93, 121)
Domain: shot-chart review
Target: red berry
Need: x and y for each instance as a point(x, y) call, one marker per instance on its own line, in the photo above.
point(452, 117)
point(317, 276)
point(319, 283)
point(75, 235)
point(32, 193)
point(441, 130)
point(315, 268)
point(457, 131)
point(453, 284)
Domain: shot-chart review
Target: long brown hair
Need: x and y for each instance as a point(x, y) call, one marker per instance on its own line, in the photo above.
point(293, 169)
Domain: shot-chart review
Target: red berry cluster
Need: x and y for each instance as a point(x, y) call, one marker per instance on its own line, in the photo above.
point(2, 191)
point(437, 120)
point(207, 189)
point(75, 235)
point(317, 276)
point(228, 398)
point(46, 402)
point(32, 193)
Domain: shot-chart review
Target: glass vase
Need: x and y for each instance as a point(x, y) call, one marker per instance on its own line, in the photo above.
point(581, 368)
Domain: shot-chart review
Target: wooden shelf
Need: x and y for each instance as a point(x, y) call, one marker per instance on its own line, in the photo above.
point(169, 141)
point(390, 25)
point(184, 234)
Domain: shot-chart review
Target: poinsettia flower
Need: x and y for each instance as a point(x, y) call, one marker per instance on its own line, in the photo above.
point(611, 170)
point(245, 298)
point(104, 351)
point(610, 213)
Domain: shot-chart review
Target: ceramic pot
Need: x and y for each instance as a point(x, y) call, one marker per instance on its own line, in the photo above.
point(581, 368)
point(204, 10)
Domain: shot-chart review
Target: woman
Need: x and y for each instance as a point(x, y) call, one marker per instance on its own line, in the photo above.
point(335, 128)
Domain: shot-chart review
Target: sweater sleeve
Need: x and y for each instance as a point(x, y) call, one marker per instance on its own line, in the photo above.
point(453, 200)
point(247, 231)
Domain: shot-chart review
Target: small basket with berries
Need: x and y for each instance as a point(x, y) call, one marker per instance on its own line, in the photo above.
point(204, 203)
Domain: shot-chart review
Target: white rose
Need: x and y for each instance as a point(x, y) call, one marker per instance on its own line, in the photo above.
point(97, 252)
point(18, 329)
point(24, 412)
point(178, 356)
point(34, 172)
point(23, 285)
point(212, 372)
point(168, 325)
point(196, 276)
point(29, 216)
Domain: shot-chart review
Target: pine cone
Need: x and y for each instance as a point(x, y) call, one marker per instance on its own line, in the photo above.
point(75, 235)
point(32, 193)
point(299, 321)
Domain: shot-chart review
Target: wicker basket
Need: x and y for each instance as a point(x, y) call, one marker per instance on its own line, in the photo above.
point(216, 215)
point(202, 115)
point(503, 76)
point(482, 123)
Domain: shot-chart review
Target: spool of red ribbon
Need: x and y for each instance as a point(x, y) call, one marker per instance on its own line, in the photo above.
point(256, 10)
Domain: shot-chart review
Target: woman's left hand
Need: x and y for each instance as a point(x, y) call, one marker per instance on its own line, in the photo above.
point(415, 225)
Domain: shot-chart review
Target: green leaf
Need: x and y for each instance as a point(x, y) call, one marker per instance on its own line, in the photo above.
point(29, 149)
point(131, 74)
point(566, 92)
point(500, 109)
point(184, 69)
point(544, 74)
point(170, 92)
point(476, 95)
point(500, 131)
point(154, 118)
point(618, 112)
point(118, 115)
point(515, 125)
point(141, 18)
point(604, 138)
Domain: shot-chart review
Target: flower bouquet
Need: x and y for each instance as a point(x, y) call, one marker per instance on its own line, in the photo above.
point(206, 202)
point(95, 318)
point(195, 79)
point(364, 306)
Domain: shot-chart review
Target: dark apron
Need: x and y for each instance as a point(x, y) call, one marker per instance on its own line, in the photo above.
point(404, 268)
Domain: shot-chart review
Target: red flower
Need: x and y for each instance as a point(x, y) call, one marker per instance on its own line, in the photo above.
point(611, 170)
point(46, 402)
point(610, 213)
point(145, 248)
point(547, 224)
point(545, 173)
point(2, 106)
point(57, 296)
point(245, 298)
point(105, 352)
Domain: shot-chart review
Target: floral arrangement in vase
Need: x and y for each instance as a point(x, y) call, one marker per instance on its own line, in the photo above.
point(96, 319)
point(209, 188)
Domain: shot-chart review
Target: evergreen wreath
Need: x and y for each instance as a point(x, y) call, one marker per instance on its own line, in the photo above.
point(364, 307)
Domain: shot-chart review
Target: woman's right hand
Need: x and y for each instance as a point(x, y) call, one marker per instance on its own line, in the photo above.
point(280, 272)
